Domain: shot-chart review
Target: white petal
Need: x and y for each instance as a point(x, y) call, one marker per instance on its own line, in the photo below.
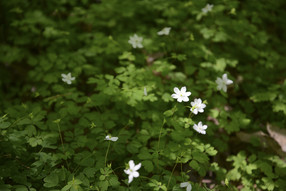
point(160, 33)
point(130, 179)
point(199, 101)
point(224, 77)
point(127, 171)
point(140, 45)
point(228, 82)
point(188, 93)
point(179, 99)
point(135, 174)
point(176, 90)
point(175, 96)
point(184, 184)
point(131, 164)
point(203, 105)
point(200, 124)
point(192, 103)
point(218, 81)
point(224, 88)
point(73, 78)
point(185, 99)
point(137, 167)
point(205, 127)
point(189, 188)
point(114, 139)
point(195, 111)
point(183, 89)
point(64, 76)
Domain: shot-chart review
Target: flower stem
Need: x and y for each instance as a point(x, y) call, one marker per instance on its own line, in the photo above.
point(59, 128)
point(158, 145)
point(106, 153)
point(60, 133)
point(172, 172)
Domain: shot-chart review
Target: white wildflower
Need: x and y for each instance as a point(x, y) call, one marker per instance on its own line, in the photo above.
point(186, 184)
point(67, 78)
point(109, 138)
point(200, 128)
point(197, 106)
point(164, 31)
point(181, 95)
point(207, 8)
point(223, 82)
point(135, 41)
point(145, 91)
point(132, 171)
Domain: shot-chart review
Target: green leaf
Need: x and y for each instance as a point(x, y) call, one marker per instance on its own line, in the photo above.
point(52, 180)
point(265, 96)
point(148, 165)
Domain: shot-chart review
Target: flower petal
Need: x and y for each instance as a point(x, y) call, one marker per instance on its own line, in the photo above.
point(189, 188)
point(183, 89)
point(185, 99)
point(175, 96)
point(127, 171)
point(131, 164)
point(224, 88)
point(137, 167)
point(184, 184)
point(228, 82)
point(224, 77)
point(135, 174)
point(114, 139)
point(176, 90)
point(188, 93)
point(130, 179)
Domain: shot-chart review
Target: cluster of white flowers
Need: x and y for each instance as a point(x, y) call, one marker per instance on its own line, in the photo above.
point(132, 168)
point(197, 105)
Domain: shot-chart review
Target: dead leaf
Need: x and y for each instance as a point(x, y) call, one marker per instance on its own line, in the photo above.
point(278, 134)
point(265, 141)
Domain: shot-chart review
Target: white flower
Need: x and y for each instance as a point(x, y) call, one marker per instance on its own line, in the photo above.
point(135, 41)
point(109, 138)
point(223, 82)
point(181, 95)
point(132, 171)
point(197, 106)
point(207, 8)
point(145, 91)
point(186, 184)
point(67, 78)
point(200, 128)
point(164, 31)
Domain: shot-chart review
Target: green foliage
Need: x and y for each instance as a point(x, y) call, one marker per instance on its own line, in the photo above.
point(52, 134)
